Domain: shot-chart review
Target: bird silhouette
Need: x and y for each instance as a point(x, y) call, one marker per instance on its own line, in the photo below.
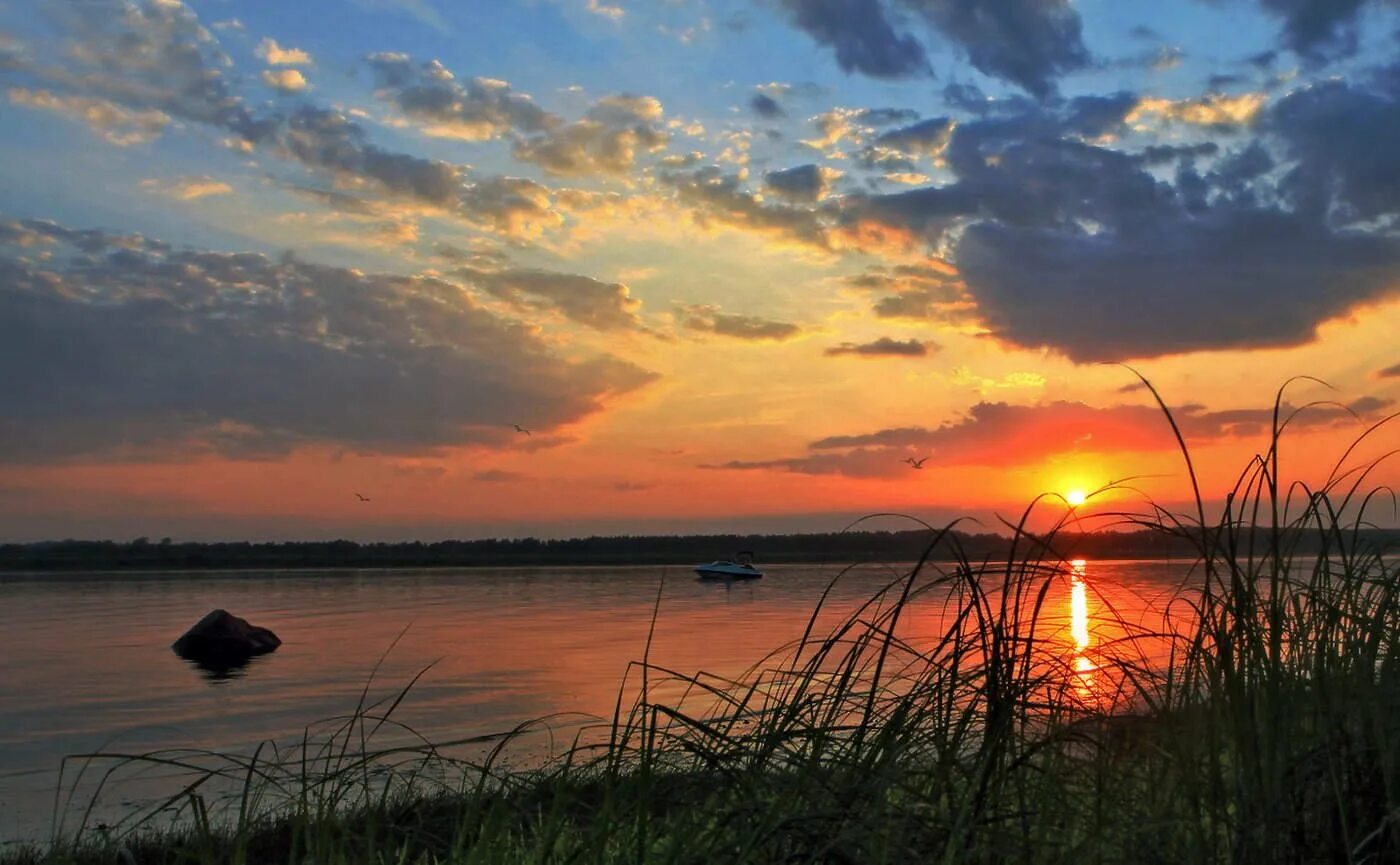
point(915, 464)
point(361, 498)
point(520, 429)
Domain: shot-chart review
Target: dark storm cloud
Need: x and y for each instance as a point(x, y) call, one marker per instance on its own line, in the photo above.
point(1029, 43)
point(1344, 141)
point(804, 183)
point(766, 106)
point(1095, 116)
point(862, 36)
point(1224, 279)
point(1317, 29)
point(883, 347)
point(1000, 434)
point(709, 319)
point(1071, 245)
point(886, 116)
point(157, 353)
point(925, 138)
point(1161, 154)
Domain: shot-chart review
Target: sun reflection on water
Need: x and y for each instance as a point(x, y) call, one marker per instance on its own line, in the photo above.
point(1079, 628)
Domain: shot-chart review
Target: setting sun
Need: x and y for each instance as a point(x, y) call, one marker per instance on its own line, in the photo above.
point(1075, 498)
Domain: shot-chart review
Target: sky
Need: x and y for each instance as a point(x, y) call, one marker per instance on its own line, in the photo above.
point(560, 267)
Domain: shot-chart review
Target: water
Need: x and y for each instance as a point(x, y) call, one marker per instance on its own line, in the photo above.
point(85, 660)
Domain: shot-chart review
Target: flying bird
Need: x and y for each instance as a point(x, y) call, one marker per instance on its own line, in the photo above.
point(361, 498)
point(520, 429)
point(915, 464)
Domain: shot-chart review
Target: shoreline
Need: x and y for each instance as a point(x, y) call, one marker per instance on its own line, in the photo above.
point(409, 569)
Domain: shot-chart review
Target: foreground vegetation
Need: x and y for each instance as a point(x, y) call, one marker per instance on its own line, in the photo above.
point(1261, 725)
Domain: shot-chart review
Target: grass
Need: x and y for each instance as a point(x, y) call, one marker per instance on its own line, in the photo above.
point(1263, 726)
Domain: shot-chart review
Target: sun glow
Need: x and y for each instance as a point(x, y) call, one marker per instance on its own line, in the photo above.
point(1075, 498)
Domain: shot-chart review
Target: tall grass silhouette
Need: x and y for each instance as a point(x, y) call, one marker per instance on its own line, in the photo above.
point(1260, 724)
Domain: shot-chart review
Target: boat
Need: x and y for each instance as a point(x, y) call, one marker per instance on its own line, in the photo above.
point(737, 569)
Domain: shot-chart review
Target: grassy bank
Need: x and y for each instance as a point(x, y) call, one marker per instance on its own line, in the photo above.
point(1269, 732)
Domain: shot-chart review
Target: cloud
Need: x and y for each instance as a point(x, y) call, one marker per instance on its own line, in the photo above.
point(157, 353)
point(860, 33)
point(154, 63)
point(1095, 117)
point(805, 183)
point(1317, 29)
point(600, 305)
point(1389, 372)
point(605, 10)
point(419, 471)
point(1212, 109)
point(514, 206)
point(275, 55)
point(917, 292)
point(156, 57)
point(709, 319)
point(856, 124)
point(925, 138)
point(1343, 145)
point(1000, 434)
point(421, 10)
point(499, 476)
point(284, 80)
point(717, 198)
point(1026, 42)
point(766, 107)
point(187, 188)
point(1227, 279)
point(1158, 59)
point(607, 141)
point(906, 178)
point(443, 107)
point(329, 141)
point(1029, 43)
point(121, 126)
point(148, 56)
point(883, 347)
point(1067, 244)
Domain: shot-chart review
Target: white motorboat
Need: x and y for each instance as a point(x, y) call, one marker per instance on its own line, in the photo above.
point(740, 569)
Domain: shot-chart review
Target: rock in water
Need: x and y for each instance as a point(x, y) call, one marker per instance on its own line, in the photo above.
point(222, 640)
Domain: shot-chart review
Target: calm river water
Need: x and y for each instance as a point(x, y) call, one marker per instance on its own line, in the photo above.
point(85, 660)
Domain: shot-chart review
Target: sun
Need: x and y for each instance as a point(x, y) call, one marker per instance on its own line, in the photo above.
point(1075, 498)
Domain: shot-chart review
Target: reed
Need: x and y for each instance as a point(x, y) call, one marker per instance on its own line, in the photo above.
point(1268, 732)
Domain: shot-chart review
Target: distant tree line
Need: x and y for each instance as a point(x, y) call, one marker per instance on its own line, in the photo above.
point(839, 548)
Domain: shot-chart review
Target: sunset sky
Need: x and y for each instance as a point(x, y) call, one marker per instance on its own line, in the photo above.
point(730, 262)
